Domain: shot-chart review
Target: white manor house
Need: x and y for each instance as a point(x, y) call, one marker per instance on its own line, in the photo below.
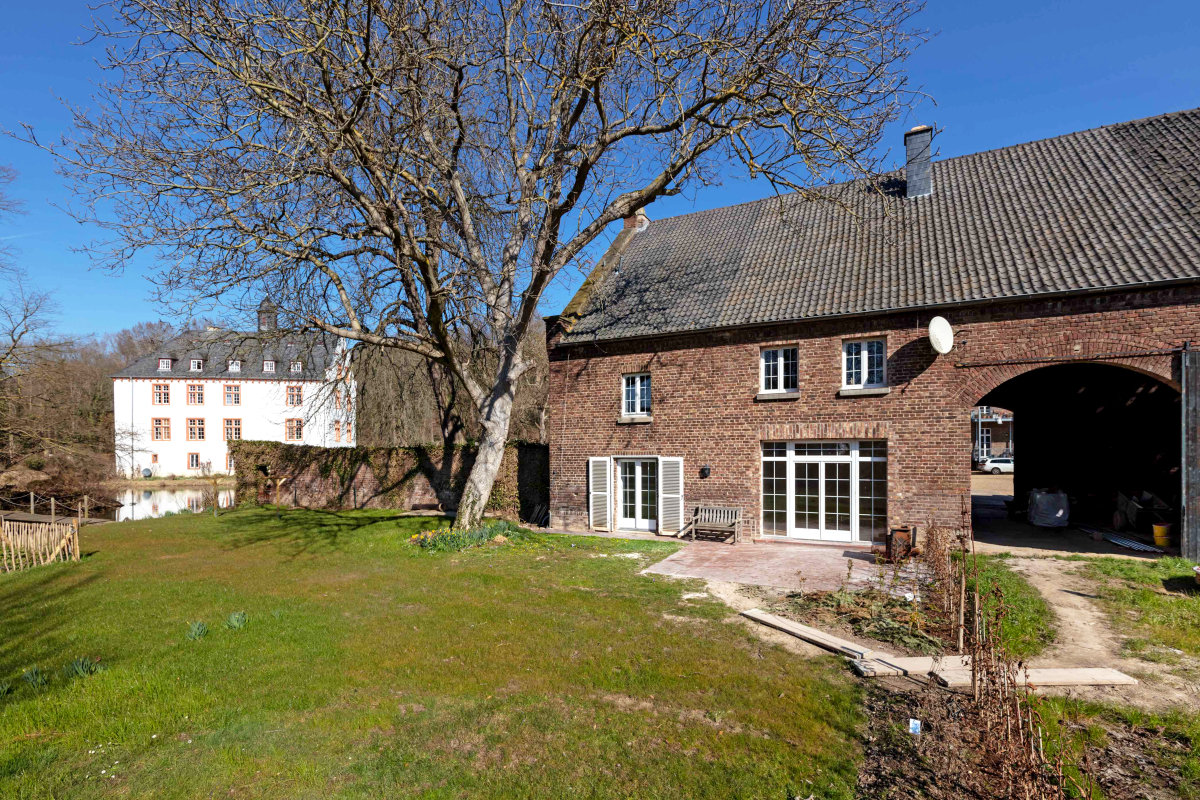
point(176, 409)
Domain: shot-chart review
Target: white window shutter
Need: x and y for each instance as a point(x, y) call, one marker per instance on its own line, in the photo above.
point(670, 494)
point(600, 493)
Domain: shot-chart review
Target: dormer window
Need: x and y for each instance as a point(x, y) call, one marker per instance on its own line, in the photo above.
point(197, 364)
point(164, 363)
point(235, 366)
point(268, 366)
point(296, 366)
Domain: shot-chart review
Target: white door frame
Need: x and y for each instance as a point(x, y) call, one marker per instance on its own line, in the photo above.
point(640, 475)
point(822, 463)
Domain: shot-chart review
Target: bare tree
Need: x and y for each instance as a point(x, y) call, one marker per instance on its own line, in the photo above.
point(414, 175)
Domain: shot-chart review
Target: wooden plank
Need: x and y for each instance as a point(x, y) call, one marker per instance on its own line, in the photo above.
point(813, 636)
point(1051, 676)
point(880, 665)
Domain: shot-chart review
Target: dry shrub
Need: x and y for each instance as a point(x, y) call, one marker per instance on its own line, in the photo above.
point(1002, 719)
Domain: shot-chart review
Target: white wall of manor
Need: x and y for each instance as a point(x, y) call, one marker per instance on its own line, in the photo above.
point(263, 411)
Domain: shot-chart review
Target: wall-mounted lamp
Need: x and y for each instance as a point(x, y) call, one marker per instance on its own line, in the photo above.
point(705, 471)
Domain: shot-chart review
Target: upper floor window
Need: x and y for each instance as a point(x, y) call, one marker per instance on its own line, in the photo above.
point(864, 364)
point(162, 394)
point(636, 401)
point(195, 429)
point(233, 429)
point(779, 369)
point(337, 430)
point(164, 363)
point(268, 366)
point(233, 395)
point(293, 430)
point(295, 395)
point(195, 394)
point(235, 366)
point(296, 366)
point(197, 364)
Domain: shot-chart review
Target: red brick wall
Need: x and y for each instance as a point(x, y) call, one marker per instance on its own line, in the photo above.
point(704, 388)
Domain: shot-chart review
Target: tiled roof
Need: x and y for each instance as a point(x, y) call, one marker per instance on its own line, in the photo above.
point(1103, 208)
point(315, 352)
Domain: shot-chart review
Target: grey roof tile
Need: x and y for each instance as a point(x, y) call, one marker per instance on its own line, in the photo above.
point(1101, 208)
point(315, 352)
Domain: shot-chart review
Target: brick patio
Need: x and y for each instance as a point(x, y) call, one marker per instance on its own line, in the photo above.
point(778, 565)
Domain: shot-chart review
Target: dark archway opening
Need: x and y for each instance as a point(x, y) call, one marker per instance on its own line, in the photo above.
point(1094, 430)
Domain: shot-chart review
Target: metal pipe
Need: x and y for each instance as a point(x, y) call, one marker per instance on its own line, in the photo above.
point(1054, 359)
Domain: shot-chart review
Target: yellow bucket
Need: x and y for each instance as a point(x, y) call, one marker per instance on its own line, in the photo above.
point(1162, 534)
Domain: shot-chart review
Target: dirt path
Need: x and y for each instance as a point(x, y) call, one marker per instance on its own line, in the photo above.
point(1085, 639)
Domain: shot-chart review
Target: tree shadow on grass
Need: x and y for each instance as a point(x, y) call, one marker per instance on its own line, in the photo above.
point(304, 531)
point(34, 610)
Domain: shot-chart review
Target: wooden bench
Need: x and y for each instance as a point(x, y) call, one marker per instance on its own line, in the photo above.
point(716, 521)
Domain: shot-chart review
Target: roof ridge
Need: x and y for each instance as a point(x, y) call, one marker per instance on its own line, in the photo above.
point(900, 170)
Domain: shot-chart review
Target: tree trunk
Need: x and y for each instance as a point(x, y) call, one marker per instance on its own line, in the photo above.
point(487, 460)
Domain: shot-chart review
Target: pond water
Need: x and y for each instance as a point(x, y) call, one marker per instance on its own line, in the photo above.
point(151, 503)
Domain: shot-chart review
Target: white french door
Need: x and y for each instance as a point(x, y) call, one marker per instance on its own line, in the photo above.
point(637, 494)
point(827, 491)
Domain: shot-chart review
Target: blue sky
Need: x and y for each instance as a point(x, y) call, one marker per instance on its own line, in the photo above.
point(1000, 73)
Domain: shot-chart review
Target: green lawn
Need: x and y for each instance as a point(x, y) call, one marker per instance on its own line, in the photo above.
point(370, 668)
point(1028, 624)
point(1157, 603)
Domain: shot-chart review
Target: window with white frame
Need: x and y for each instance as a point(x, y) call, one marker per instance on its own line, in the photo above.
point(636, 396)
point(268, 366)
point(235, 365)
point(779, 370)
point(197, 364)
point(164, 363)
point(193, 461)
point(296, 366)
point(828, 490)
point(864, 364)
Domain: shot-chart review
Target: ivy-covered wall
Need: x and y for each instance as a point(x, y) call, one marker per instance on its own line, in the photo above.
point(385, 477)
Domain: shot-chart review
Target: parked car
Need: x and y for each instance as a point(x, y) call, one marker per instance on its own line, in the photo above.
point(996, 465)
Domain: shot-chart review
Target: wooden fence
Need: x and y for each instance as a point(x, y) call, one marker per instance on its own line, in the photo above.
point(31, 544)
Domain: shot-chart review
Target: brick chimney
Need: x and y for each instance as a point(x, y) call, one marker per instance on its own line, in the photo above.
point(638, 221)
point(268, 316)
point(918, 171)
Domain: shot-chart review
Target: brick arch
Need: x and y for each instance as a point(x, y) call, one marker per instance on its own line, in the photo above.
point(982, 380)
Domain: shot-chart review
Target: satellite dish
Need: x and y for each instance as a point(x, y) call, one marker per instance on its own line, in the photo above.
point(941, 335)
point(146, 473)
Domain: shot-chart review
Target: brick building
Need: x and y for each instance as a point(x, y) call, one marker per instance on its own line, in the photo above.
point(775, 355)
point(991, 432)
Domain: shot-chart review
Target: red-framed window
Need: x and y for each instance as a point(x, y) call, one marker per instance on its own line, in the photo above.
point(195, 394)
point(193, 461)
point(233, 395)
point(162, 394)
point(161, 429)
point(233, 429)
point(293, 430)
point(295, 395)
point(195, 429)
